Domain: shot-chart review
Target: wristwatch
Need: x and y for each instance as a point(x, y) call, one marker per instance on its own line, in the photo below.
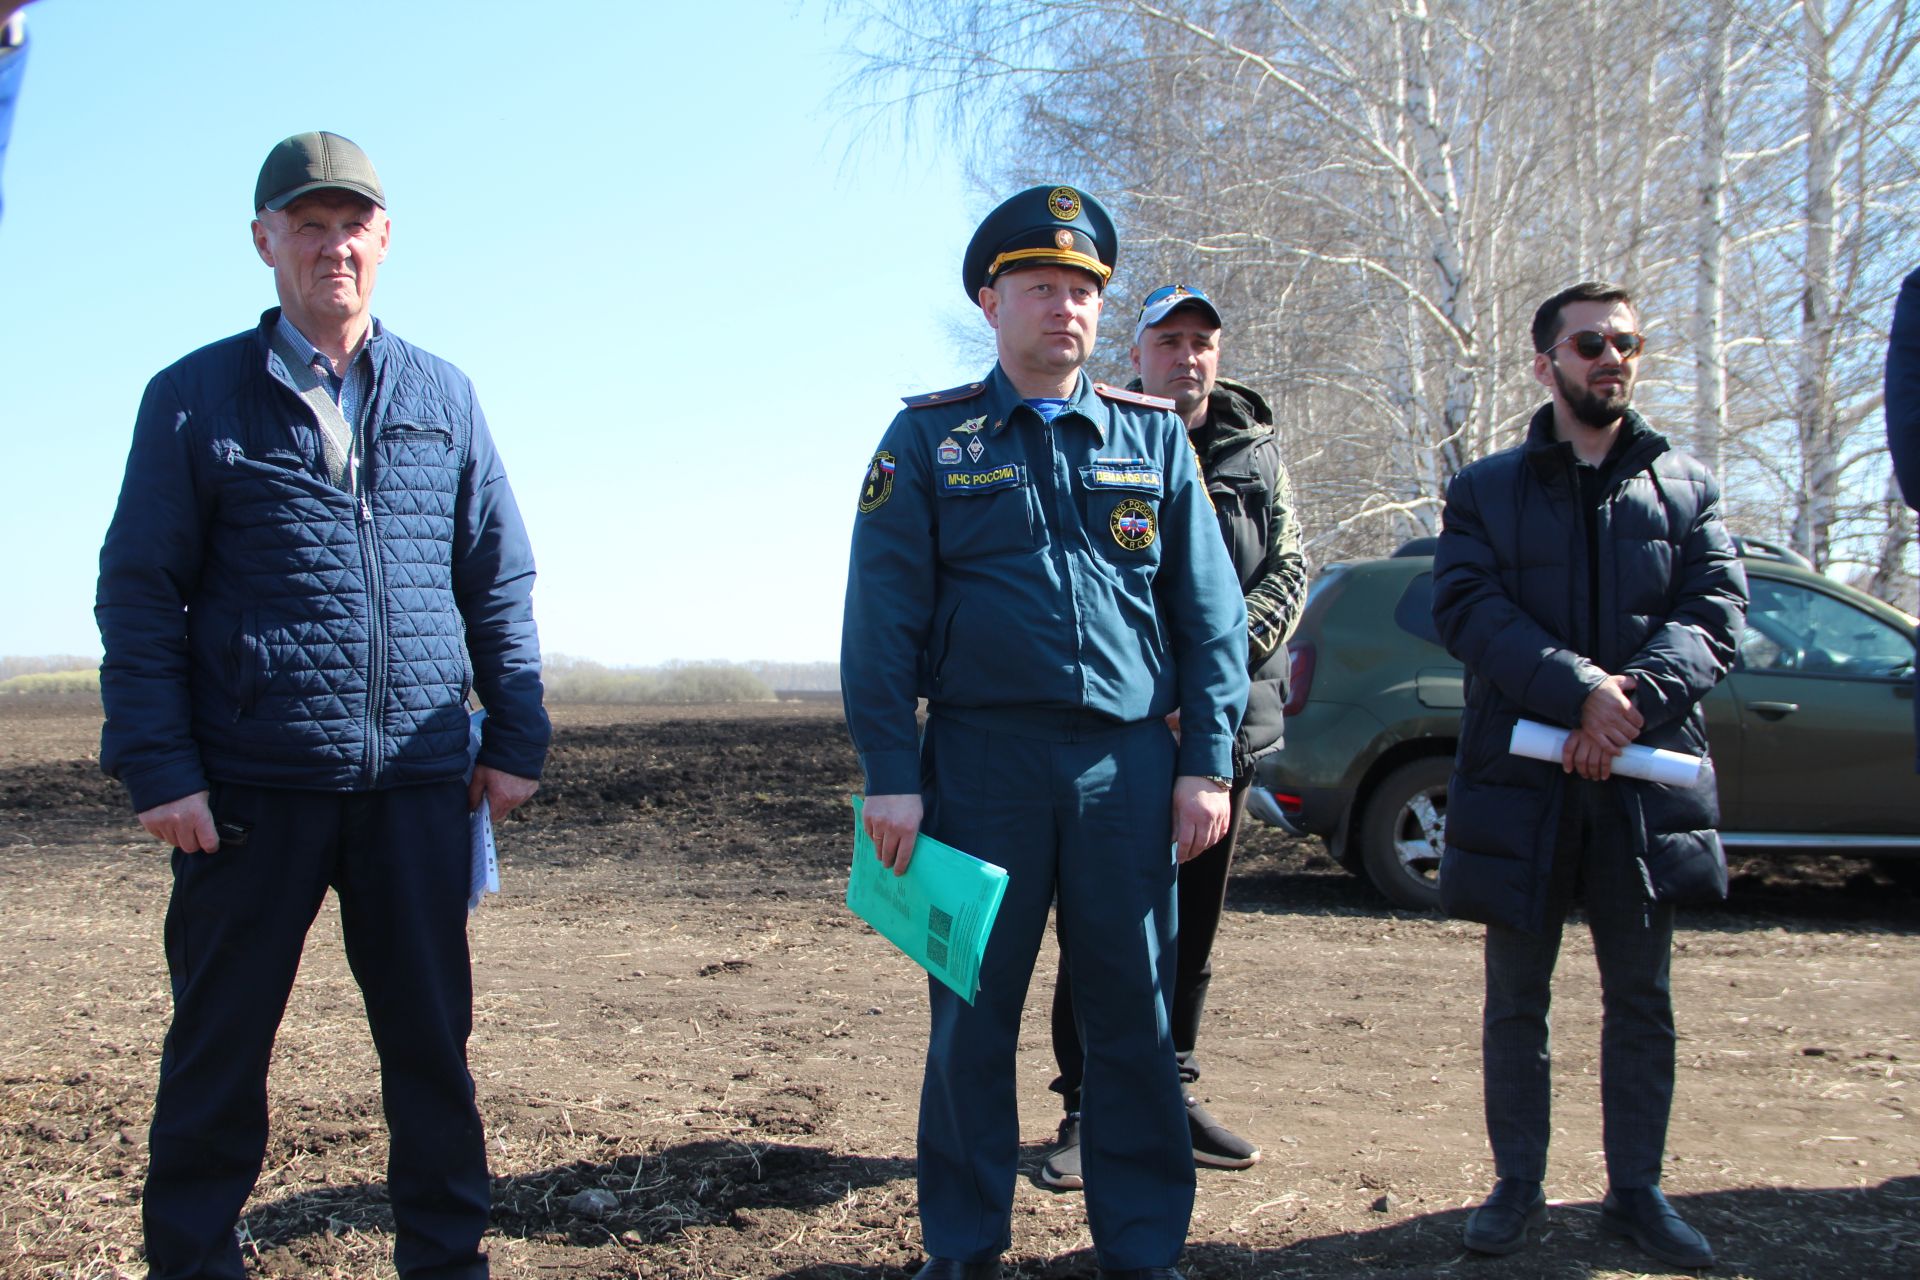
point(1225, 784)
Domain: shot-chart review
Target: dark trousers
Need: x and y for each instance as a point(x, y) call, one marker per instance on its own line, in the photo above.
point(1202, 897)
point(1633, 943)
point(235, 928)
point(1087, 820)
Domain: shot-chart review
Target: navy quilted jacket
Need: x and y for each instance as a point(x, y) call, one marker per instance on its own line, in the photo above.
point(262, 626)
point(1510, 598)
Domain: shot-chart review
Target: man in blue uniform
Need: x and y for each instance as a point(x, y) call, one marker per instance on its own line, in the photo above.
point(1035, 555)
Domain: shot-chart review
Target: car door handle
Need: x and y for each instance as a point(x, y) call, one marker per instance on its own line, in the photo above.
point(1773, 710)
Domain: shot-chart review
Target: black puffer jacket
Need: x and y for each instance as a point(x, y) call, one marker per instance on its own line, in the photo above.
point(1511, 602)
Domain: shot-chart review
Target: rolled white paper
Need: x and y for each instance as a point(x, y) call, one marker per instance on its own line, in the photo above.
point(1538, 741)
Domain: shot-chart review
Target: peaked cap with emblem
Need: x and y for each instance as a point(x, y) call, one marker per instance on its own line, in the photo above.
point(1050, 225)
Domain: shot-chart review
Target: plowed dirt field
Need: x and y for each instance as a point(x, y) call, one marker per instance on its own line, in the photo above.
point(673, 1006)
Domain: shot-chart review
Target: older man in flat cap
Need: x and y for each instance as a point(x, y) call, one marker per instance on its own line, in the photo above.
point(314, 560)
point(1035, 555)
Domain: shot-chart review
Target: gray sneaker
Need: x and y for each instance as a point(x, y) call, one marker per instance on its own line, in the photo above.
point(1062, 1169)
point(1215, 1145)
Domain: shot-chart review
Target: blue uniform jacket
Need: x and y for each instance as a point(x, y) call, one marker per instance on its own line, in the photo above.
point(262, 626)
point(1020, 573)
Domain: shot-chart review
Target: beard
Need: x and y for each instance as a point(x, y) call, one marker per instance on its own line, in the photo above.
point(1591, 408)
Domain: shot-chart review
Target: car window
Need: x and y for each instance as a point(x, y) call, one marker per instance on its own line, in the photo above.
point(1414, 612)
point(1794, 628)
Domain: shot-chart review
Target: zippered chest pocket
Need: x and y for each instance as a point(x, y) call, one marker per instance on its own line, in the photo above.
point(416, 467)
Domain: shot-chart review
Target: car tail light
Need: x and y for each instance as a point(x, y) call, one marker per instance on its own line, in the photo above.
point(1299, 677)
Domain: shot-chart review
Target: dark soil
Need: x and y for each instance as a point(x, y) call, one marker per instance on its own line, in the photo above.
point(673, 1007)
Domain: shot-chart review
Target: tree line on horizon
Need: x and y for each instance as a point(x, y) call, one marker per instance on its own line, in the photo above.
point(568, 679)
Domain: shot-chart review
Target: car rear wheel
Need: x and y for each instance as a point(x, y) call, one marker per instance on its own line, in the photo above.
point(1403, 831)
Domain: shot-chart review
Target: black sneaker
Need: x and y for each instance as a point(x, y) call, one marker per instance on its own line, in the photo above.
point(1062, 1169)
point(1214, 1145)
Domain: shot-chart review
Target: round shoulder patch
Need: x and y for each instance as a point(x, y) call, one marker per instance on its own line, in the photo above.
point(1132, 524)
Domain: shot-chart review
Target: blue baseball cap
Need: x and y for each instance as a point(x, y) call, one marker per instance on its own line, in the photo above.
point(1166, 300)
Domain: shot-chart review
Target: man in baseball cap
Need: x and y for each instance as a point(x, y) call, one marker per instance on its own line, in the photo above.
point(315, 553)
point(1176, 351)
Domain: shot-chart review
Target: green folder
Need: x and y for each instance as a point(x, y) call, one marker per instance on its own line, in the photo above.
point(939, 913)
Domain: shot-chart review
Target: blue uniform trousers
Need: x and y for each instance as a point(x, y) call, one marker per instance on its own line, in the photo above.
point(1633, 944)
point(1085, 817)
point(236, 924)
point(1203, 899)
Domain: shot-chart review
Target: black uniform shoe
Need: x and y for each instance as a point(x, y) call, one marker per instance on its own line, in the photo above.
point(1062, 1169)
point(1644, 1214)
point(1215, 1145)
point(951, 1269)
point(1500, 1225)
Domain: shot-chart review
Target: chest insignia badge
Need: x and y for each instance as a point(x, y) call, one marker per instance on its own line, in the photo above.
point(1132, 524)
point(948, 453)
point(879, 483)
point(975, 448)
point(971, 425)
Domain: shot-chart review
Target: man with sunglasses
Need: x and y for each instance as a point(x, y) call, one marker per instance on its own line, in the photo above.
point(1035, 556)
point(1585, 580)
point(1176, 351)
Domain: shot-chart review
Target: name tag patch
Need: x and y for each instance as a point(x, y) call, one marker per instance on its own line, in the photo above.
point(1100, 476)
point(1001, 477)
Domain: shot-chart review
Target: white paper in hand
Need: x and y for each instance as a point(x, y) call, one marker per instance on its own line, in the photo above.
point(1538, 741)
point(483, 873)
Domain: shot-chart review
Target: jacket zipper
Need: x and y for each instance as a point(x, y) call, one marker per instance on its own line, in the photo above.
point(376, 597)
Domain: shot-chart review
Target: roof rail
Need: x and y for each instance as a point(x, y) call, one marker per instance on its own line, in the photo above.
point(1761, 549)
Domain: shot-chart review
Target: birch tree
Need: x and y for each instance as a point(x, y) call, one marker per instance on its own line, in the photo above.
point(1378, 192)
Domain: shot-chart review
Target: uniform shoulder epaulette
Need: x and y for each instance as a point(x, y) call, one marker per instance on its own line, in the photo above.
point(952, 395)
point(1131, 397)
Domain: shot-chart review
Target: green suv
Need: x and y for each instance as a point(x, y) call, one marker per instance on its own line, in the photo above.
point(1812, 730)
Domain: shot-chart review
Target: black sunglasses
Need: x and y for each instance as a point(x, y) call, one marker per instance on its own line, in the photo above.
point(1589, 343)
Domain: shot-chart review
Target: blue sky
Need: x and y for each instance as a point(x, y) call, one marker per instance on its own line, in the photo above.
point(689, 292)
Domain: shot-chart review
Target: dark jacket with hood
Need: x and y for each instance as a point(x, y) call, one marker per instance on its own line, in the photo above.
point(1239, 452)
point(1512, 602)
